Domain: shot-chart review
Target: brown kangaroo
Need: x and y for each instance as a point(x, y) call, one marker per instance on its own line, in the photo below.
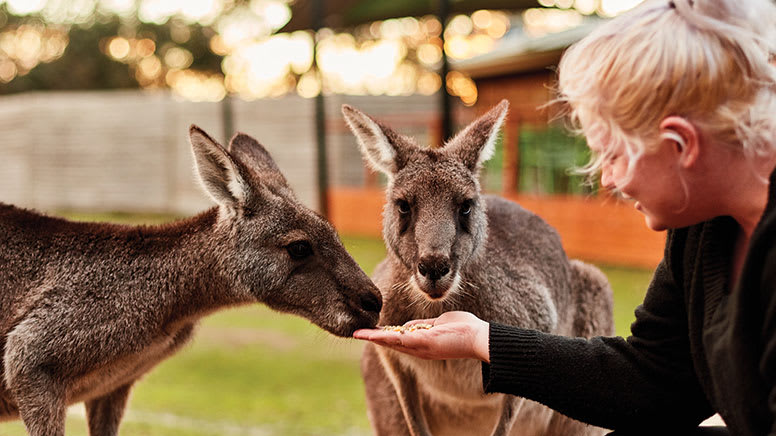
point(86, 309)
point(452, 248)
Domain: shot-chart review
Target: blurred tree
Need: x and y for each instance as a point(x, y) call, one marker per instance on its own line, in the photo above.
point(82, 66)
point(86, 62)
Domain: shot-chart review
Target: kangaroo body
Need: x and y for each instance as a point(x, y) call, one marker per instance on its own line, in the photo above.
point(87, 309)
point(451, 248)
point(145, 321)
point(525, 280)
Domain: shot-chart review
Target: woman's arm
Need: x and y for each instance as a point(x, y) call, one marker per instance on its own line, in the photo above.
point(768, 359)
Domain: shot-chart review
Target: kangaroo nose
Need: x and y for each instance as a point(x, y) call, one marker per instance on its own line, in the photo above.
point(371, 302)
point(434, 268)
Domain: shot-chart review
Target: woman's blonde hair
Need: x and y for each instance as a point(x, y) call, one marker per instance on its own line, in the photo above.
point(705, 60)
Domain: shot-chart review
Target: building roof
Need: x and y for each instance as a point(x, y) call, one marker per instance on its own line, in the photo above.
point(522, 53)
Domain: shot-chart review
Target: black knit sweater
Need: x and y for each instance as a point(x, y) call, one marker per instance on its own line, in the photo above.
point(695, 348)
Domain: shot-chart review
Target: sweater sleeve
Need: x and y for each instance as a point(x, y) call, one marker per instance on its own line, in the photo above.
point(768, 360)
point(644, 382)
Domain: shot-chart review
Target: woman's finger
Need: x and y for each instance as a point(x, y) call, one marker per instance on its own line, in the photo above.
point(364, 334)
point(376, 335)
point(429, 321)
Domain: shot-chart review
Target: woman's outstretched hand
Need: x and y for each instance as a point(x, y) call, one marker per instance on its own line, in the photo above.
point(454, 335)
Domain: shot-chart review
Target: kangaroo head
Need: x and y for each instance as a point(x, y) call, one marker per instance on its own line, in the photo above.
point(282, 253)
point(434, 220)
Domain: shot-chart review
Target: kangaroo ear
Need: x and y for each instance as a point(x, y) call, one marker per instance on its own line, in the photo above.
point(219, 173)
point(384, 148)
point(256, 159)
point(477, 142)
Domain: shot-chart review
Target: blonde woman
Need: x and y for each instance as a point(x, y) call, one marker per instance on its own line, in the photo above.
point(677, 100)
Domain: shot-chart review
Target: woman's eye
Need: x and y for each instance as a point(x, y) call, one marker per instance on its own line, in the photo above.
point(299, 250)
point(613, 158)
point(404, 207)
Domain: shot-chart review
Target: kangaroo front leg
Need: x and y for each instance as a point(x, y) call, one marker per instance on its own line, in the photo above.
point(35, 382)
point(509, 411)
point(409, 399)
point(408, 395)
point(104, 413)
point(41, 400)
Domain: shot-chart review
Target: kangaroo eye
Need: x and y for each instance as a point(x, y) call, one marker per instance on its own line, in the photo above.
point(299, 250)
point(404, 207)
point(466, 208)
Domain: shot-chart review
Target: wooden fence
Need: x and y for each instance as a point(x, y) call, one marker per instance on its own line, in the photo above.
point(128, 151)
point(597, 229)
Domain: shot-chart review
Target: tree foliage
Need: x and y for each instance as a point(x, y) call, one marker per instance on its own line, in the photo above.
point(85, 63)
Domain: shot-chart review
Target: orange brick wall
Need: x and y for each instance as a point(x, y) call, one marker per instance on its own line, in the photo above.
point(596, 229)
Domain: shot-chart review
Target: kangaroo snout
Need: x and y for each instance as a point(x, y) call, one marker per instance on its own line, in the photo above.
point(434, 267)
point(365, 305)
point(371, 301)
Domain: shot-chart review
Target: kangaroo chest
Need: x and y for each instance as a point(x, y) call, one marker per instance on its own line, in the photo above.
point(455, 381)
point(451, 395)
point(455, 405)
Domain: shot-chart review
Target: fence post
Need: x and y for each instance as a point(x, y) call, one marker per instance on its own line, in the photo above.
point(511, 163)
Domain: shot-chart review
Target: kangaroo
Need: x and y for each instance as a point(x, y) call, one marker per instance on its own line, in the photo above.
point(86, 309)
point(452, 248)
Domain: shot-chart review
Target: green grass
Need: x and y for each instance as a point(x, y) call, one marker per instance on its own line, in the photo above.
point(291, 383)
point(368, 252)
point(252, 371)
point(629, 287)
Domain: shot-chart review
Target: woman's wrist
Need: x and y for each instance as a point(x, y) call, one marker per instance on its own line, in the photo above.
point(482, 341)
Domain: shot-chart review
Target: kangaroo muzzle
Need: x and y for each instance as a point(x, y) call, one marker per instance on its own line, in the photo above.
point(434, 267)
point(435, 276)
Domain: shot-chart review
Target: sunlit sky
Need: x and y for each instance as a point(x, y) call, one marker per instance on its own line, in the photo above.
point(392, 57)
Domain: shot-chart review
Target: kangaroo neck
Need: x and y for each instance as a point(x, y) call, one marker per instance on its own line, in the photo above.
point(197, 279)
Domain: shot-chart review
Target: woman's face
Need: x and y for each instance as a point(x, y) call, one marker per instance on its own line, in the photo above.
point(653, 183)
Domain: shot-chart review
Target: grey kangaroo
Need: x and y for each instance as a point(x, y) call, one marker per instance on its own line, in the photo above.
point(452, 248)
point(86, 309)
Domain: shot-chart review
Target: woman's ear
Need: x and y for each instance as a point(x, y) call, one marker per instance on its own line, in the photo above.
point(684, 136)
